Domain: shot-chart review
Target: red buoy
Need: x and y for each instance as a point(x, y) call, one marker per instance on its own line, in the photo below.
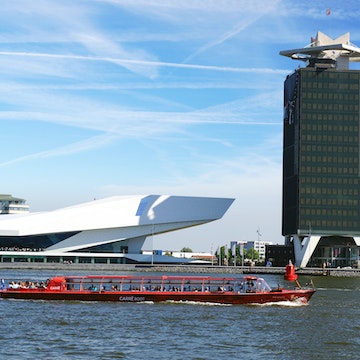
point(290, 272)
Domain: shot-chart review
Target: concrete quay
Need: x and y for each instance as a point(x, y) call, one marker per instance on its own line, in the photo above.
point(190, 269)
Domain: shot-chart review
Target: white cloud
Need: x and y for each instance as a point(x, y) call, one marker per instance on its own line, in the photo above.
point(74, 148)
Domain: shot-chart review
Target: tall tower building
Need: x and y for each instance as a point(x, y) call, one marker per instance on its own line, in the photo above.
point(321, 154)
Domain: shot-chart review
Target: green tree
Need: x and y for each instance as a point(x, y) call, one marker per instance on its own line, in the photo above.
point(221, 255)
point(251, 254)
point(186, 249)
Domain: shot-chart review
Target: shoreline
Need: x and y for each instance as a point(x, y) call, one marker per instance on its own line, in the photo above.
point(260, 270)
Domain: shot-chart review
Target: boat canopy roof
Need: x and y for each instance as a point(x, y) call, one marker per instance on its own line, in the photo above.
point(156, 278)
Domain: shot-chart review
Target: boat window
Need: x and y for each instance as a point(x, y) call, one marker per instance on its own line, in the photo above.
point(262, 285)
point(240, 286)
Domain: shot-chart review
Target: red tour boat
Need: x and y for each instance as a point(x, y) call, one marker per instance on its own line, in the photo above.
point(221, 290)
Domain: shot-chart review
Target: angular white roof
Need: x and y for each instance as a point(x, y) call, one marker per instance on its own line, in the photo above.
point(115, 218)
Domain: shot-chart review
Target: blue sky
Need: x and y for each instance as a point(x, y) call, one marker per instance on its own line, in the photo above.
point(119, 97)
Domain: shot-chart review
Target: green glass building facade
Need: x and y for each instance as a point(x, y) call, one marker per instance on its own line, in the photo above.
point(321, 167)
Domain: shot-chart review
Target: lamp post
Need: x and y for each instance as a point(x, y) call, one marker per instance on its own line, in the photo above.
point(152, 245)
point(259, 235)
point(350, 256)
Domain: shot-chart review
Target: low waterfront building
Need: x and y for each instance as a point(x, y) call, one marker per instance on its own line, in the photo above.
point(12, 205)
point(279, 255)
point(259, 246)
point(185, 256)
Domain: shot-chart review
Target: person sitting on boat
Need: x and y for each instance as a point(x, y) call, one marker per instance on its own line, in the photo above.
point(42, 285)
point(24, 285)
point(14, 285)
point(250, 286)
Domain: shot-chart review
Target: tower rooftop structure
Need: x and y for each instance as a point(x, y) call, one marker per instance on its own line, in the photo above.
point(325, 52)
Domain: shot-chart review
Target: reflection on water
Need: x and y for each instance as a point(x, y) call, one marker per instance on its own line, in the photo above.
point(327, 328)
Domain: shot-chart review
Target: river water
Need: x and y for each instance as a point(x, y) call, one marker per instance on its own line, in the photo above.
point(327, 328)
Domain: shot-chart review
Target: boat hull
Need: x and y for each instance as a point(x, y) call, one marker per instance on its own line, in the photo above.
point(157, 296)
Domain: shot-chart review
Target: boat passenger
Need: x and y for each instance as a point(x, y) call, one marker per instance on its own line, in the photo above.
point(15, 285)
point(250, 287)
point(42, 285)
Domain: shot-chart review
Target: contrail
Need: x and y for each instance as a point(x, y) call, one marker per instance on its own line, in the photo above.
point(146, 62)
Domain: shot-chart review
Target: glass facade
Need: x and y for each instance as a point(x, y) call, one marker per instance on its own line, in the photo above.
point(32, 242)
point(335, 252)
point(321, 153)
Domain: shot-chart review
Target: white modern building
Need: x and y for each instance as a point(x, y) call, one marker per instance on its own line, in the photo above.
point(110, 230)
point(12, 205)
point(259, 246)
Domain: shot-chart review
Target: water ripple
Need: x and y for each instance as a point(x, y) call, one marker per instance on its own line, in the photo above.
point(327, 328)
